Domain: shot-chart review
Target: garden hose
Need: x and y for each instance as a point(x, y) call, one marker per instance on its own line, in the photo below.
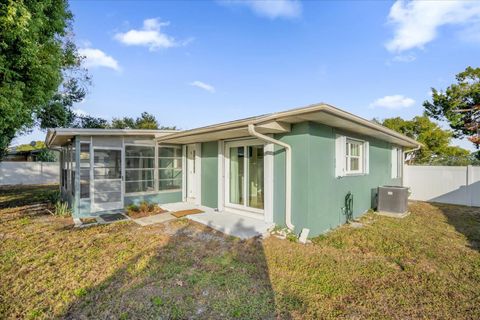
point(349, 206)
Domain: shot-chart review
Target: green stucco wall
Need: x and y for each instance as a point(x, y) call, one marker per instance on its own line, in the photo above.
point(210, 174)
point(317, 195)
point(84, 207)
point(160, 198)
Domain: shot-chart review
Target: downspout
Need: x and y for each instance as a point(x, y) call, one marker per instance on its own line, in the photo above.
point(288, 173)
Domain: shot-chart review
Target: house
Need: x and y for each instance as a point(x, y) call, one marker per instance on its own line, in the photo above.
point(292, 168)
point(34, 155)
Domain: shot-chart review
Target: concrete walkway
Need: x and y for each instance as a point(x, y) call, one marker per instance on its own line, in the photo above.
point(158, 218)
point(227, 222)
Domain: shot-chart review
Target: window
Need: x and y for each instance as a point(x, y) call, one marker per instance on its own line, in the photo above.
point(351, 156)
point(397, 161)
point(354, 156)
point(169, 168)
point(84, 170)
point(139, 169)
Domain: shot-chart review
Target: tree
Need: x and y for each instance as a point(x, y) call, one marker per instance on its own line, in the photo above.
point(459, 105)
point(35, 55)
point(436, 141)
point(35, 145)
point(46, 156)
point(90, 122)
point(58, 113)
point(123, 123)
point(145, 121)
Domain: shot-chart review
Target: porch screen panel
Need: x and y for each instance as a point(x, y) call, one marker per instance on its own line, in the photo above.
point(139, 169)
point(84, 170)
point(72, 169)
point(169, 168)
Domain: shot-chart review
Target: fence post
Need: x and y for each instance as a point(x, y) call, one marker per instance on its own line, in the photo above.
point(470, 180)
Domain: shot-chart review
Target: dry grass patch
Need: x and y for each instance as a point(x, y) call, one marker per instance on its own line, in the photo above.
point(177, 270)
point(424, 266)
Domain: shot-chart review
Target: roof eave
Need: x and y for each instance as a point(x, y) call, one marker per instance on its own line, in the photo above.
point(408, 142)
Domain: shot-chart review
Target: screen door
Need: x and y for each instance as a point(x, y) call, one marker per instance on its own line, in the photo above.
point(107, 179)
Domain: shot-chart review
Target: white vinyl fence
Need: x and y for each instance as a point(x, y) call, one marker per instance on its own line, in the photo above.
point(14, 173)
point(455, 185)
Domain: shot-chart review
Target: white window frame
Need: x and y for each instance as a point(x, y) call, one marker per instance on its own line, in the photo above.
point(342, 158)
point(157, 167)
point(155, 182)
point(361, 156)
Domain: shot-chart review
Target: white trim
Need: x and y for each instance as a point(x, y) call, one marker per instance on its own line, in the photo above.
point(232, 206)
point(184, 175)
point(221, 176)
point(366, 158)
point(198, 173)
point(269, 181)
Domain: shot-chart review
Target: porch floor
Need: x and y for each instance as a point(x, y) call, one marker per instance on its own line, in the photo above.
point(227, 222)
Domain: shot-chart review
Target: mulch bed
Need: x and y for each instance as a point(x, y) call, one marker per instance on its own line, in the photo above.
point(142, 214)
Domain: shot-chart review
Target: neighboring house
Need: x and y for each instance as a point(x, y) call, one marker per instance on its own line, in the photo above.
point(292, 168)
point(23, 155)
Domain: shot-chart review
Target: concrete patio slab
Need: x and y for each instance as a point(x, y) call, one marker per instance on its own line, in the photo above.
point(229, 223)
point(158, 218)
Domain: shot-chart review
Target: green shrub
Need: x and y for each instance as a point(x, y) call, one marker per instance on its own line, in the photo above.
point(53, 197)
point(61, 209)
point(133, 208)
point(144, 206)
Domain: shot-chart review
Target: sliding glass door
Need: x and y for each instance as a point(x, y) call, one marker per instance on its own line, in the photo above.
point(245, 175)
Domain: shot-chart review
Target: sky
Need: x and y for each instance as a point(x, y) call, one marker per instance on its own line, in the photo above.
point(194, 63)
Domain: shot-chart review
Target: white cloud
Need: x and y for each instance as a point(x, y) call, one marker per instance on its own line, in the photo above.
point(97, 58)
point(203, 85)
point(151, 36)
point(416, 23)
point(396, 101)
point(271, 8)
point(404, 58)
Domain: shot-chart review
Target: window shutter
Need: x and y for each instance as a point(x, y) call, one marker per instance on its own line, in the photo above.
point(340, 155)
point(367, 157)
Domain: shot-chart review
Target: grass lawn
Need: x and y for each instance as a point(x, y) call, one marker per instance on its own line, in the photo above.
point(424, 266)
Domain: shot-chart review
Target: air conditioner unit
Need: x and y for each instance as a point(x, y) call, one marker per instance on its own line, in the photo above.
point(393, 200)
